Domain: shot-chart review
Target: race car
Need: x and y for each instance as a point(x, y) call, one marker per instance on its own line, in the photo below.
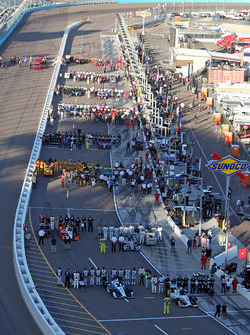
point(38, 66)
point(104, 145)
point(116, 287)
point(131, 243)
point(182, 298)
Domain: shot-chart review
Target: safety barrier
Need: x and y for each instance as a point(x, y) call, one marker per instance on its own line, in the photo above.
point(32, 299)
point(220, 259)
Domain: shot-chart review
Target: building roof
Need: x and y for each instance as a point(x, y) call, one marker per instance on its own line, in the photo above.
point(226, 57)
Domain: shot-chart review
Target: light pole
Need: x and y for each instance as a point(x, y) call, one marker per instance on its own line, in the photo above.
point(227, 206)
point(245, 137)
point(201, 195)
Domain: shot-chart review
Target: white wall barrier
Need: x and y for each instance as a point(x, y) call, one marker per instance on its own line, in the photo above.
point(31, 297)
point(220, 259)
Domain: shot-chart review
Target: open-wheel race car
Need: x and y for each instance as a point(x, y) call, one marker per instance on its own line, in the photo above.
point(116, 287)
point(131, 243)
point(182, 298)
point(104, 144)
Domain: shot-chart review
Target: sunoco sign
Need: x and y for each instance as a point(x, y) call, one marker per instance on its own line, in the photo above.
point(228, 166)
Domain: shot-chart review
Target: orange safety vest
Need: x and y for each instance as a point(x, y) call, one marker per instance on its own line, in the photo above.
point(60, 165)
point(56, 166)
point(41, 165)
point(65, 164)
point(79, 167)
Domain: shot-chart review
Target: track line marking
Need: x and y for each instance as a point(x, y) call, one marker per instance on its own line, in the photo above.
point(149, 297)
point(107, 332)
point(93, 263)
point(126, 299)
point(159, 318)
point(160, 330)
point(67, 195)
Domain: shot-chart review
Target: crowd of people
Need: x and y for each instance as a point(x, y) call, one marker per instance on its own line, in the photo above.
point(94, 92)
point(97, 113)
point(158, 284)
point(91, 77)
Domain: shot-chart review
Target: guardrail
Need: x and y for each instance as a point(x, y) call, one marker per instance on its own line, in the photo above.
point(31, 297)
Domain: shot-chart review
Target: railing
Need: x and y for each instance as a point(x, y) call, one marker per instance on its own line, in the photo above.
point(31, 297)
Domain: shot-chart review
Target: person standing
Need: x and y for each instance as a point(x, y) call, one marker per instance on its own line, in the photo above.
point(218, 310)
point(27, 240)
point(98, 277)
point(53, 245)
point(85, 277)
point(113, 240)
point(34, 180)
point(234, 284)
point(228, 285)
point(166, 305)
point(121, 243)
point(142, 273)
point(76, 278)
point(67, 242)
point(159, 231)
point(127, 275)
point(189, 245)
point(172, 243)
point(203, 261)
point(105, 232)
point(67, 278)
point(59, 276)
point(92, 277)
point(194, 243)
point(161, 284)
point(223, 284)
point(133, 277)
point(90, 224)
point(192, 281)
point(224, 310)
point(157, 196)
point(148, 278)
point(154, 281)
point(102, 245)
point(41, 235)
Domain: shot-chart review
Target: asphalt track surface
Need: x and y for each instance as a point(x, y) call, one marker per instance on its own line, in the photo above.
point(142, 315)
point(22, 95)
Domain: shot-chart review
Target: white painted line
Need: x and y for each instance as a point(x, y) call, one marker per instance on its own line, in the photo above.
point(68, 212)
point(71, 149)
point(160, 330)
point(126, 299)
point(67, 195)
point(158, 318)
point(73, 125)
point(141, 253)
point(217, 320)
point(76, 209)
point(92, 263)
point(149, 297)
